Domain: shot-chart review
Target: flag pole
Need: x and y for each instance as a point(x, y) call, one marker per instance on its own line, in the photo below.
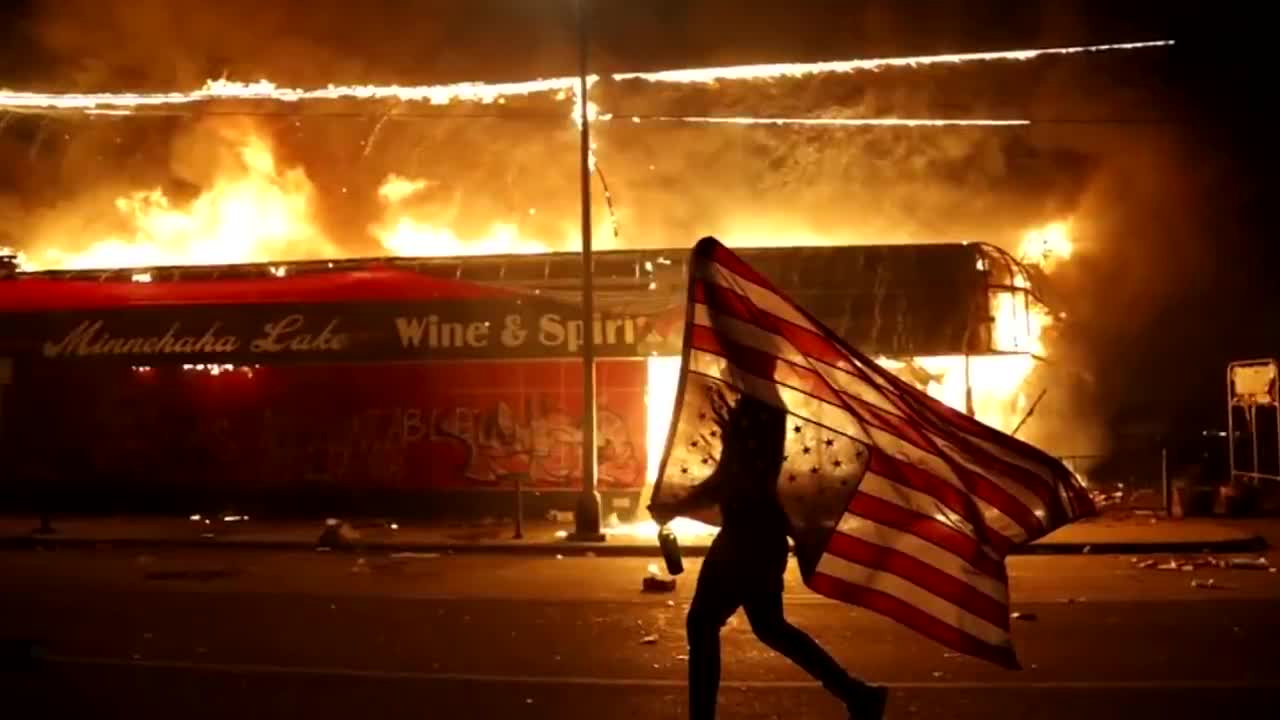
point(587, 514)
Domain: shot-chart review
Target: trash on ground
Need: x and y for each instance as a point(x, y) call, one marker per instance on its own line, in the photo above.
point(1146, 564)
point(648, 639)
point(1209, 584)
point(1024, 616)
point(1259, 563)
point(655, 583)
point(1171, 565)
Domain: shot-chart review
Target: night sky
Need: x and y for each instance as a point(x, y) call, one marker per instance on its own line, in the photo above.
point(1181, 279)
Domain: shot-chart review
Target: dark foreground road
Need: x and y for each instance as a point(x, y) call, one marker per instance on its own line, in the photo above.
point(247, 635)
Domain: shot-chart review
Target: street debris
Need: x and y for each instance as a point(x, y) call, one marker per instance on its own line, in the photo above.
point(1209, 584)
point(337, 534)
point(655, 581)
point(649, 640)
point(1030, 617)
point(1145, 563)
point(1259, 563)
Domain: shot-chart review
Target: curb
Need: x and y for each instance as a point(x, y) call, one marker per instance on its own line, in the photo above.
point(1252, 544)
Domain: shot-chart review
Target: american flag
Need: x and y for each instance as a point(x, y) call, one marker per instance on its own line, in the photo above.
point(897, 503)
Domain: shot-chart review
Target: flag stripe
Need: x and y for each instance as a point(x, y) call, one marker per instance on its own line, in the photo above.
point(750, 369)
point(913, 617)
point(835, 418)
point(926, 527)
point(726, 260)
point(990, 492)
point(922, 575)
point(764, 365)
point(732, 303)
point(907, 541)
point(838, 419)
point(761, 297)
point(745, 333)
point(939, 499)
point(878, 579)
point(725, 300)
point(1002, 534)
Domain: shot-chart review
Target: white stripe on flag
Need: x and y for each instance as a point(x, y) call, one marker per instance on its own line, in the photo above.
point(923, 550)
point(912, 594)
point(762, 298)
point(883, 488)
point(754, 336)
point(903, 451)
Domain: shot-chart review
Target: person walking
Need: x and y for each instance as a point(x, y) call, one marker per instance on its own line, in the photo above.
point(745, 564)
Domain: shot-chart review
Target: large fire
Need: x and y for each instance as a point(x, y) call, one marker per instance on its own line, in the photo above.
point(255, 211)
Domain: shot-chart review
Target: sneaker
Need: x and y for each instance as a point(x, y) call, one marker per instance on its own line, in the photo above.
point(869, 703)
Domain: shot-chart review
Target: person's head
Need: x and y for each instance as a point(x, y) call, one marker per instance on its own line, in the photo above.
point(753, 435)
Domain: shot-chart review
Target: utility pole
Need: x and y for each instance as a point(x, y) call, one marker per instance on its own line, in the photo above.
point(587, 515)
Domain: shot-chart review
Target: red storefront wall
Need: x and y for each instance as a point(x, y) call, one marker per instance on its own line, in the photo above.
point(272, 434)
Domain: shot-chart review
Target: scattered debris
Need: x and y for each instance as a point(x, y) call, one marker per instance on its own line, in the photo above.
point(649, 640)
point(654, 583)
point(1146, 563)
point(1186, 568)
point(1258, 563)
point(337, 534)
point(1209, 584)
point(1024, 616)
point(1171, 565)
point(1087, 549)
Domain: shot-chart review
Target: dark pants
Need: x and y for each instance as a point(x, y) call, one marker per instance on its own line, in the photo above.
point(748, 573)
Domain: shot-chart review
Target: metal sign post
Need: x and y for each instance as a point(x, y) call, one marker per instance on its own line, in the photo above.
point(1253, 386)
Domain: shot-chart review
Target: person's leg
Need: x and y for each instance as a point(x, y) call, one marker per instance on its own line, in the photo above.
point(715, 600)
point(764, 612)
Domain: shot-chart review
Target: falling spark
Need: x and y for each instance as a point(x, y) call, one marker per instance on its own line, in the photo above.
point(491, 93)
point(833, 122)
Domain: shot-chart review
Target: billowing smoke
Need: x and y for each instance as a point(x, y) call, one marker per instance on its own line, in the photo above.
point(1126, 185)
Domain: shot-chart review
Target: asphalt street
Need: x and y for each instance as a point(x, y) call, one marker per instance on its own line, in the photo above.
point(194, 633)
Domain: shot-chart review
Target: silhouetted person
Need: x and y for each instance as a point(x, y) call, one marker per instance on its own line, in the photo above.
point(747, 560)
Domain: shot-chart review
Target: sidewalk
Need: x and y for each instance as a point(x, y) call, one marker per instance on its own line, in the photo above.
point(1129, 533)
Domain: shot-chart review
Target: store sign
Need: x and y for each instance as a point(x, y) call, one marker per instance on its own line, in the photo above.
point(315, 332)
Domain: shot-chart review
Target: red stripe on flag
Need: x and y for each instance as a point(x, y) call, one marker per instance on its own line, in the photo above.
point(922, 575)
point(725, 258)
point(921, 480)
point(765, 365)
point(929, 529)
point(735, 305)
point(913, 617)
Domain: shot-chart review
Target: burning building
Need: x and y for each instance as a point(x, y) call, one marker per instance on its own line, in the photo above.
point(436, 385)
